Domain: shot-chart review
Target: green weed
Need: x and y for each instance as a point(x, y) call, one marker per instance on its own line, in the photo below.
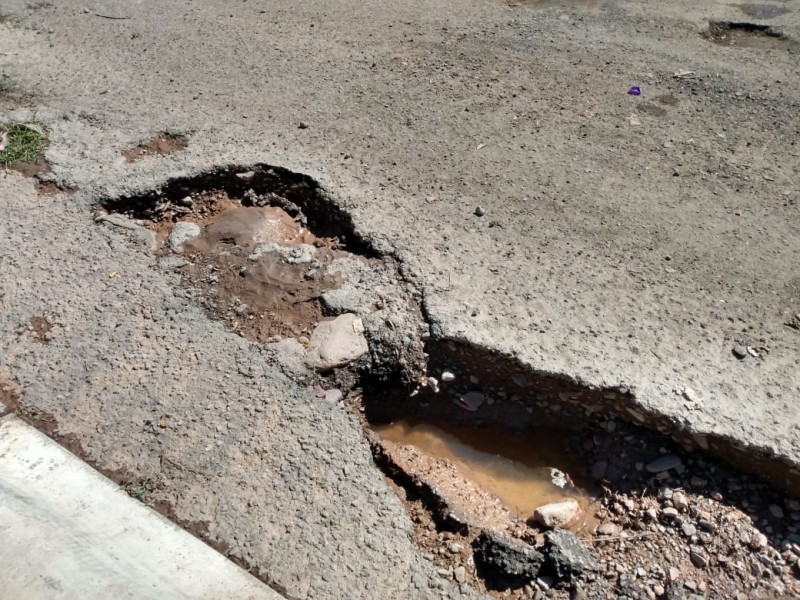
point(141, 488)
point(21, 143)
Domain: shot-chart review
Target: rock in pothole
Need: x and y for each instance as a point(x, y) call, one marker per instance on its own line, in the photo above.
point(504, 562)
point(182, 232)
point(557, 514)
point(566, 557)
point(337, 343)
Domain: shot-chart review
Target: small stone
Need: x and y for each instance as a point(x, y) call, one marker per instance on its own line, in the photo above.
point(460, 574)
point(739, 352)
point(776, 511)
point(698, 482)
point(658, 589)
point(333, 396)
point(182, 232)
point(688, 529)
point(543, 584)
point(668, 513)
point(651, 513)
point(559, 478)
point(599, 469)
point(433, 383)
point(607, 529)
point(448, 376)
point(471, 401)
point(792, 504)
point(758, 541)
point(663, 463)
point(706, 525)
point(674, 574)
point(455, 548)
point(679, 501)
point(698, 559)
point(557, 514)
point(479, 211)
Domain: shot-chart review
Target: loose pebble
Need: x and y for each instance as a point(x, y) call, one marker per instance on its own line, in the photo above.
point(663, 463)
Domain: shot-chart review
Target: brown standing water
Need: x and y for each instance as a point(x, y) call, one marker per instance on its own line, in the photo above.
point(516, 468)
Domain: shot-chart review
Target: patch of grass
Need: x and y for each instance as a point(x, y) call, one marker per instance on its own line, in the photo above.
point(141, 488)
point(23, 143)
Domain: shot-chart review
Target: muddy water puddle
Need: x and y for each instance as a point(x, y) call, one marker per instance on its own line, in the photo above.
point(523, 470)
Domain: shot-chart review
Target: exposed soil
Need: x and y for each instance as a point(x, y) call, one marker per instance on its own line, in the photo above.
point(261, 294)
point(39, 328)
point(256, 264)
point(163, 144)
point(9, 395)
point(31, 169)
point(49, 188)
point(746, 35)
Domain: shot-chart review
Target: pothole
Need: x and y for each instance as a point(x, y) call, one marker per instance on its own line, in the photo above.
point(487, 456)
point(746, 35)
point(162, 144)
point(485, 448)
point(247, 247)
point(272, 255)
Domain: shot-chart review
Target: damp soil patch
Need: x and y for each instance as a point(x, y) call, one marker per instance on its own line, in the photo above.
point(655, 510)
point(50, 188)
point(258, 246)
point(39, 328)
point(160, 145)
point(734, 34)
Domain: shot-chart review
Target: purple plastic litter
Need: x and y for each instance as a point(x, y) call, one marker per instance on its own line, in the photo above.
point(635, 90)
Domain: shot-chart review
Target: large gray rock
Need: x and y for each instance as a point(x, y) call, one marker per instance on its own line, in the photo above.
point(566, 557)
point(182, 232)
point(336, 343)
point(505, 563)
